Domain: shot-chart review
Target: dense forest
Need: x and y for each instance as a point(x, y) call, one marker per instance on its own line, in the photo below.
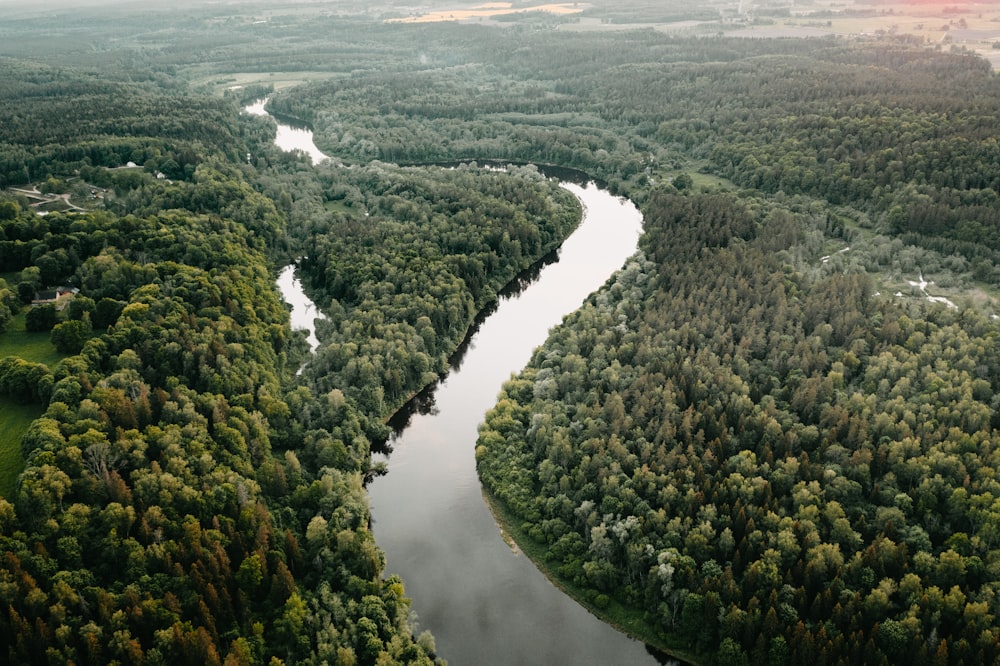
point(155, 520)
point(904, 134)
point(791, 469)
point(744, 438)
point(403, 283)
point(184, 491)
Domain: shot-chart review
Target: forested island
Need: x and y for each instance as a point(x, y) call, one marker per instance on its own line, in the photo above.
point(768, 439)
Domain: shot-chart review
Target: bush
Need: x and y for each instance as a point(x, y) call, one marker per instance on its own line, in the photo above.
point(25, 381)
point(5, 316)
point(25, 292)
point(80, 306)
point(70, 336)
point(40, 318)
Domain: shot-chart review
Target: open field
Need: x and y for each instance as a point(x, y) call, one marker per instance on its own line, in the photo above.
point(36, 347)
point(488, 11)
point(975, 26)
point(970, 25)
point(14, 421)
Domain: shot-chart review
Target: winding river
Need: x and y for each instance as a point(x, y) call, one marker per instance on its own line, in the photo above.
point(290, 138)
point(484, 601)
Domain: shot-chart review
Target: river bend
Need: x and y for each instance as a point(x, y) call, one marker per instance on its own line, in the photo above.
point(484, 601)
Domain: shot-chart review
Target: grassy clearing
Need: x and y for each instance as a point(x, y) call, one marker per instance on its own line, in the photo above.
point(701, 180)
point(280, 80)
point(341, 207)
point(36, 347)
point(14, 422)
point(15, 418)
point(627, 620)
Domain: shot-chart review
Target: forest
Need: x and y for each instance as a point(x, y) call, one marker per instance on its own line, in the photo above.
point(810, 481)
point(744, 439)
point(154, 521)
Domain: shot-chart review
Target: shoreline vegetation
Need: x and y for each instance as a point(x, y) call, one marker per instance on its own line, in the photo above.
point(629, 621)
point(708, 527)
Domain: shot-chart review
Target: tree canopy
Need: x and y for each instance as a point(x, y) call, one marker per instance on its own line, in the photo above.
point(745, 435)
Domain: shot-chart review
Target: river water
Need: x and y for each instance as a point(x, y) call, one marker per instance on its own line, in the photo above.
point(304, 312)
point(290, 138)
point(484, 601)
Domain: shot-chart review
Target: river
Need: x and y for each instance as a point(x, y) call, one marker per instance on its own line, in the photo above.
point(304, 312)
point(290, 138)
point(484, 601)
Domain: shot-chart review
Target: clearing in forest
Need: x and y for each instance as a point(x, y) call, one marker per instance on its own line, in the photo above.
point(489, 10)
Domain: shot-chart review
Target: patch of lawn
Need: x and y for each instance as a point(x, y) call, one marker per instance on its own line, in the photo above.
point(36, 347)
point(14, 422)
point(701, 180)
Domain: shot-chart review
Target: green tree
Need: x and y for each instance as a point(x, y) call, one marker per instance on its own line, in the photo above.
point(70, 336)
point(683, 181)
point(40, 318)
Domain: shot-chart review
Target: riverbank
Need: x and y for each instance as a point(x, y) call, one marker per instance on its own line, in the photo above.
point(628, 620)
point(483, 603)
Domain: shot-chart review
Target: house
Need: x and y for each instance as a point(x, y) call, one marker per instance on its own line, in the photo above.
point(60, 296)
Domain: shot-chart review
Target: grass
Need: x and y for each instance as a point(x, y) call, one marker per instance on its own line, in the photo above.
point(36, 347)
point(15, 418)
point(625, 619)
point(219, 83)
point(341, 207)
point(701, 180)
point(14, 422)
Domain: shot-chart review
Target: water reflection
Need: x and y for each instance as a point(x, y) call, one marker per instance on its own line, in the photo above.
point(290, 136)
point(304, 312)
point(484, 602)
point(423, 402)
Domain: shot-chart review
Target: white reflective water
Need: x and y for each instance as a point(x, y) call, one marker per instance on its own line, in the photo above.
point(290, 138)
point(304, 312)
